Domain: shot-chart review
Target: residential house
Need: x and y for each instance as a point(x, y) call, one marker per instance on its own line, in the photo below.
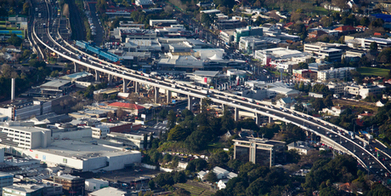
point(202, 174)
point(129, 107)
point(380, 104)
point(220, 172)
point(365, 114)
point(334, 111)
point(285, 102)
point(316, 34)
point(347, 29)
point(363, 90)
point(301, 147)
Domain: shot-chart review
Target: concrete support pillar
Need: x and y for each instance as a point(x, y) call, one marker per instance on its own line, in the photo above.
point(236, 114)
point(96, 75)
point(74, 67)
point(156, 95)
point(189, 103)
point(135, 85)
point(88, 69)
point(168, 96)
point(257, 119)
point(223, 107)
point(124, 85)
point(270, 119)
point(109, 79)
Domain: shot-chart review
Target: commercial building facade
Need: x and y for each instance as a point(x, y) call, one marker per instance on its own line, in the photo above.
point(324, 50)
point(259, 151)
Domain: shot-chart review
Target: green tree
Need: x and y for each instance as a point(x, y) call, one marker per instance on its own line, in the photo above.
point(163, 113)
point(145, 141)
point(292, 156)
point(328, 101)
point(211, 177)
point(15, 40)
point(206, 19)
point(364, 21)
point(198, 140)
point(171, 118)
point(379, 190)
point(26, 7)
point(373, 47)
point(151, 184)
point(258, 187)
point(227, 121)
point(179, 177)
point(196, 165)
point(219, 158)
point(328, 191)
point(318, 104)
point(178, 133)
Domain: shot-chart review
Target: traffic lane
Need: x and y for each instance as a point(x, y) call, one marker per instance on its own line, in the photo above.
point(99, 37)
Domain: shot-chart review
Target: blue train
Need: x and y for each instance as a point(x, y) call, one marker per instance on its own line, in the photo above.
point(99, 51)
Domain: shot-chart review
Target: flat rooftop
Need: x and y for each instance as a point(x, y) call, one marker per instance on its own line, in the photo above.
point(76, 75)
point(30, 129)
point(55, 83)
point(260, 141)
point(82, 150)
point(108, 191)
point(27, 188)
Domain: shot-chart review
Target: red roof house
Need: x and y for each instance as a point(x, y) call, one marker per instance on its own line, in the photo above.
point(345, 29)
point(129, 107)
point(316, 34)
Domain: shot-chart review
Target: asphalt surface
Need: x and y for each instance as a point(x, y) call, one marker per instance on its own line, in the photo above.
point(100, 35)
point(78, 29)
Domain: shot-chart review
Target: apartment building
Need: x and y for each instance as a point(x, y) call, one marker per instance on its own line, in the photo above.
point(363, 90)
point(339, 73)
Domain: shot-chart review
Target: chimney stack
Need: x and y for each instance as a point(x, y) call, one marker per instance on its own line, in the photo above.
point(12, 89)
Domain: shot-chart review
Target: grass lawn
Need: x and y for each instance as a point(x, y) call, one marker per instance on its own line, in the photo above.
point(319, 10)
point(194, 190)
point(371, 71)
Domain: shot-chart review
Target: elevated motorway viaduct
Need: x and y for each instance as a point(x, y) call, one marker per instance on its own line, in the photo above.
point(375, 162)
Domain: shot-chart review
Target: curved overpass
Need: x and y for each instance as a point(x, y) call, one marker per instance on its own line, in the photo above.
point(330, 133)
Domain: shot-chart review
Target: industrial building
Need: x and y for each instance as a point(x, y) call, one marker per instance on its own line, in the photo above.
point(259, 151)
point(25, 140)
point(84, 156)
point(56, 86)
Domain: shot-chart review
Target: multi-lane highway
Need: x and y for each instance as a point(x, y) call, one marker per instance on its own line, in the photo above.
point(49, 37)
